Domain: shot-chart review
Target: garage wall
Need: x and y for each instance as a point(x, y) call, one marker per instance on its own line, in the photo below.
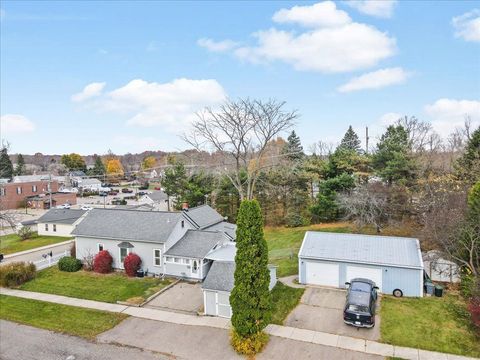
point(410, 281)
point(62, 230)
point(210, 302)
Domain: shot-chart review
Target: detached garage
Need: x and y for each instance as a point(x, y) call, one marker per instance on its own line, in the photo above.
point(331, 259)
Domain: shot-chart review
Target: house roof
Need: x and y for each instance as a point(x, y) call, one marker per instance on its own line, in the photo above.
point(226, 227)
point(86, 182)
point(226, 252)
point(203, 216)
point(357, 248)
point(220, 277)
point(134, 225)
point(61, 216)
point(195, 244)
point(158, 196)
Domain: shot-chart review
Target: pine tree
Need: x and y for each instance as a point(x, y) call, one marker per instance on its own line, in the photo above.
point(20, 168)
point(474, 203)
point(6, 167)
point(98, 167)
point(294, 149)
point(468, 165)
point(250, 297)
point(351, 141)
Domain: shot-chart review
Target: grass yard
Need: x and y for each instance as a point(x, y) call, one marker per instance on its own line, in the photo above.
point(61, 318)
point(13, 243)
point(284, 299)
point(284, 244)
point(430, 323)
point(92, 286)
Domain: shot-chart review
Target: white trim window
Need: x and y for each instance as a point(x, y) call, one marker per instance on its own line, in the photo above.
point(19, 190)
point(157, 257)
point(169, 259)
point(177, 260)
point(100, 247)
point(54, 227)
point(122, 254)
point(34, 188)
point(46, 227)
point(186, 261)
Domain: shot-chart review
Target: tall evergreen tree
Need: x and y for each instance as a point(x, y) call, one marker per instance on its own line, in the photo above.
point(392, 160)
point(20, 168)
point(468, 165)
point(175, 182)
point(351, 141)
point(293, 149)
point(250, 297)
point(98, 167)
point(6, 167)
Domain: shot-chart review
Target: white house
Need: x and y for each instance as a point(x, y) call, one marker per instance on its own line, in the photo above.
point(59, 222)
point(158, 199)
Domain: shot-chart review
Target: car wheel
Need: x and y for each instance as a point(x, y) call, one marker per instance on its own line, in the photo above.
point(397, 293)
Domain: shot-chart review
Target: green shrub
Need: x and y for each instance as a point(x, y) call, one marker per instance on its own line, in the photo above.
point(16, 273)
point(25, 232)
point(69, 264)
point(249, 345)
point(295, 220)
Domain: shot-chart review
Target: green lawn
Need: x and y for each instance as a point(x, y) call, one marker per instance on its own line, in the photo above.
point(430, 323)
point(284, 299)
point(284, 244)
point(92, 286)
point(13, 243)
point(61, 318)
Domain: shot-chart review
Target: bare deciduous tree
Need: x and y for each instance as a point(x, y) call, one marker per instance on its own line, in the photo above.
point(241, 131)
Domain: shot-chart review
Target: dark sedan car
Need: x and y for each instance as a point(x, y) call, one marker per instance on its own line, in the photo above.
point(361, 302)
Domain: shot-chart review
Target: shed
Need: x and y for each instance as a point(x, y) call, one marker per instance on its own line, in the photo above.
point(330, 259)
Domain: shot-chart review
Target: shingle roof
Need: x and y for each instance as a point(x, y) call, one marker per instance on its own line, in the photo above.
point(195, 243)
point(203, 216)
point(226, 252)
point(220, 277)
point(61, 216)
point(158, 196)
point(226, 227)
point(357, 248)
point(135, 225)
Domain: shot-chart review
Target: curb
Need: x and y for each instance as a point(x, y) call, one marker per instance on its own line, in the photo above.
point(37, 249)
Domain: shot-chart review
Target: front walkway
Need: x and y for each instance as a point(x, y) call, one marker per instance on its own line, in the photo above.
point(308, 336)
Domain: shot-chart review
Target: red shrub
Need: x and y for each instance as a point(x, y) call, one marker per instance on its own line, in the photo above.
point(474, 309)
point(103, 262)
point(132, 264)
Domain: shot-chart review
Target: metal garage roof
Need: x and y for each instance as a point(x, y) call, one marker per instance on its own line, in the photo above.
point(366, 249)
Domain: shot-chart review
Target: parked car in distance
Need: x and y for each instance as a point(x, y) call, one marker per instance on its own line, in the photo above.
point(127, 191)
point(86, 207)
point(141, 193)
point(113, 192)
point(102, 193)
point(158, 188)
point(64, 206)
point(361, 302)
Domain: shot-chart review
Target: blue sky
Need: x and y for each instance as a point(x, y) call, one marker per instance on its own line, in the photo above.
point(128, 76)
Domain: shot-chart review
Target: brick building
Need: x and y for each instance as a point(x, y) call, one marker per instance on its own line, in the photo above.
point(33, 193)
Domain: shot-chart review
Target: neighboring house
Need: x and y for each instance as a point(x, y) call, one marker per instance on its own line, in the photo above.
point(42, 177)
point(59, 222)
point(440, 269)
point(14, 195)
point(88, 184)
point(170, 243)
point(158, 199)
point(219, 282)
point(31, 224)
point(330, 259)
point(42, 201)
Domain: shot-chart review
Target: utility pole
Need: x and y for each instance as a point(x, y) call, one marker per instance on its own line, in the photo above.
point(50, 188)
point(366, 139)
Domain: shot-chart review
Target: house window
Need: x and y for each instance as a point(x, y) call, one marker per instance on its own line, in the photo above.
point(168, 259)
point(186, 261)
point(3, 191)
point(177, 260)
point(157, 257)
point(34, 188)
point(183, 223)
point(55, 227)
point(19, 190)
point(46, 227)
point(99, 247)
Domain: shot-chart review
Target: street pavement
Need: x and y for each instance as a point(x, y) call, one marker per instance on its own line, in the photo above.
point(36, 255)
point(21, 342)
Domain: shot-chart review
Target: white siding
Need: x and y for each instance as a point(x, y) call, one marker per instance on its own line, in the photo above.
point(62, 229)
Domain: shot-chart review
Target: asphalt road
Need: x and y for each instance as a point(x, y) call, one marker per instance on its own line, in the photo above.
point(37, 255)
point(20, 342)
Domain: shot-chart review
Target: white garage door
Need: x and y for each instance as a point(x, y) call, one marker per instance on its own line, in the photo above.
point(366, 273)
point(322, 274)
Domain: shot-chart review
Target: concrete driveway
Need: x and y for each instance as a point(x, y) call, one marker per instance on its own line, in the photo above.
point(183, 297)
point(321, 309)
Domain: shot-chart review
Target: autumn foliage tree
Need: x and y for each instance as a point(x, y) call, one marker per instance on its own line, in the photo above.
point(114, 169)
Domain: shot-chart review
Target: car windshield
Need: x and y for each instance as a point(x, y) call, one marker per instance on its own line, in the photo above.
point(358, 308)
point(360, 286)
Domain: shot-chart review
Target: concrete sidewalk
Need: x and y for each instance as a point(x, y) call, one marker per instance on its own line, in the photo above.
point(308, 336)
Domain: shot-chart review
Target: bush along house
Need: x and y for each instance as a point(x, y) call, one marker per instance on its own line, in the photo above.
point(168, 243)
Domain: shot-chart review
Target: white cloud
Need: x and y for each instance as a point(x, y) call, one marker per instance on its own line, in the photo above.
point(322, 14)
point(335, 44)
point(448, 114)
point(376, 80)
point(389, 118)
point(467, 26)
point(378, 8)
point(15, 123)
point(91, 90)
point(172, 105)
point(217, 46)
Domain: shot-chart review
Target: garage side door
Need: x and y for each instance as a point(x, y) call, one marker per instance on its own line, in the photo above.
point(322, 274)
point(366, 273)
